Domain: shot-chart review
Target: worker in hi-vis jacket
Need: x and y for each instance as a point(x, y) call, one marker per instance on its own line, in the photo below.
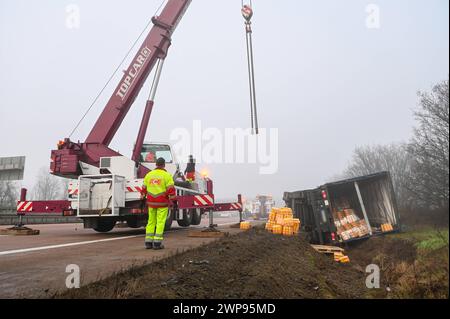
point(160, 190)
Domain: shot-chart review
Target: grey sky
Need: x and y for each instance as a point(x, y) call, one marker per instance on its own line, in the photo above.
point(324, 79)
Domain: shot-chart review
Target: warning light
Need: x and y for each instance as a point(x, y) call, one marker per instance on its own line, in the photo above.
point(204, 173)
point(324, 195)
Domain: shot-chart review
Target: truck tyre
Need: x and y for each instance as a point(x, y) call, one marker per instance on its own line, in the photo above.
point(169, 220)
point(186, 221)
point(134, 223)
point(105, 225)
point(196, 217)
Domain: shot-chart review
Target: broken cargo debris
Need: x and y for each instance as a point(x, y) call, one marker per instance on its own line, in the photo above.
point(337, 252)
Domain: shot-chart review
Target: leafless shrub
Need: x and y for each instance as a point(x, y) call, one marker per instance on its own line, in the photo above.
point(9, 194)
point(429, 148)
point(393, 158)
point(49, 187)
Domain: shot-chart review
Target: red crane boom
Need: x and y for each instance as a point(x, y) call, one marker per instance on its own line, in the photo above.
point(154, 47)
point(65, 160)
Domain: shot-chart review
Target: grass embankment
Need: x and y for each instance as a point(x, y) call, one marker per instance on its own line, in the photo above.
point(427, 277)
point(414, 263)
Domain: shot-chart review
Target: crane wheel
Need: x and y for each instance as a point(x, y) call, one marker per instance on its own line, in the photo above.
point(105, 225)
point(196, 217)
point(186, 221)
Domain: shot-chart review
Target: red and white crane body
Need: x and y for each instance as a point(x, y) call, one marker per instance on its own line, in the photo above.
point(105, 185)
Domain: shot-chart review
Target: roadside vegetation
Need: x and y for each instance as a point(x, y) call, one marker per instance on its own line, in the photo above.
point(413, 264)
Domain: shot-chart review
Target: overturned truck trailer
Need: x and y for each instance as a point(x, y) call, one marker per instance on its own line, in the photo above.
point(347, 210)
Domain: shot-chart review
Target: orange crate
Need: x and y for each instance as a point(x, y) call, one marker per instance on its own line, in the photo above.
point(245, 225)
point(288, 230)
point(277, 229)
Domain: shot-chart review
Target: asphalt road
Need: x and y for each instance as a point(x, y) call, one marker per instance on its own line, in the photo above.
point(35, 266)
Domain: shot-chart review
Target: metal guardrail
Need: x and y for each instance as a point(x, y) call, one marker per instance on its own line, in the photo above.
point(13, 219)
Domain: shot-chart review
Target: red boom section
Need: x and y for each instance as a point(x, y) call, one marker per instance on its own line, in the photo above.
point(66, 159)
point(154, 47)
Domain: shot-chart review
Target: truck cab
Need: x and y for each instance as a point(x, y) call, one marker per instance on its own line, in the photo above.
point(152, 151)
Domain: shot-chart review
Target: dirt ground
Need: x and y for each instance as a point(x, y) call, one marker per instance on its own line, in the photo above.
point(254, 264)
point(257, 264)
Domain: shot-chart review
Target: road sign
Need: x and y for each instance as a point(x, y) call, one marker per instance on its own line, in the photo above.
point(12, 168)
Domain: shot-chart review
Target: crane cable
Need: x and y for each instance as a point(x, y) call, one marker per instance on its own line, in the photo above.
point(114, 73)
point(247, 13)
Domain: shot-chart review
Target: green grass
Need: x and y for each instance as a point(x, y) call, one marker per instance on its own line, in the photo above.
point(426, 239)
point(435, 241)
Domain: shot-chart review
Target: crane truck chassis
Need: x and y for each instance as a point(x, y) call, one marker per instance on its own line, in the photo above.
point(105, 185)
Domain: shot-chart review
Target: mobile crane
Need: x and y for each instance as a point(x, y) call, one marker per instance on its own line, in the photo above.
point(106, 185)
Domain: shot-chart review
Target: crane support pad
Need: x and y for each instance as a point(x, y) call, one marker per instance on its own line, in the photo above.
point(19, 231)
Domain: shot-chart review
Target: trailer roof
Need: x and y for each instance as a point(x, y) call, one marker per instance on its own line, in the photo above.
point(302, 193)
point(359, 178)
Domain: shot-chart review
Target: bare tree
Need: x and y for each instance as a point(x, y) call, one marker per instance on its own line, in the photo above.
point(430, 147)
point(9, 194)
point(47, 186)
point(393, 158)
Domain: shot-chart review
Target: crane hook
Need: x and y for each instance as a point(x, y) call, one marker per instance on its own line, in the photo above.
point(247, 12)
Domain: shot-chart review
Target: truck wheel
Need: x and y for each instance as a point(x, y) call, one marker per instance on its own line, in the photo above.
point(134, 223)
point(105, 225)
point(186, 221)
point(196, 217)
point(169, 220)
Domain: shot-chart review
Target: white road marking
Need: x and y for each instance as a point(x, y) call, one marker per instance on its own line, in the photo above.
point(26, 250)
point(226, 224)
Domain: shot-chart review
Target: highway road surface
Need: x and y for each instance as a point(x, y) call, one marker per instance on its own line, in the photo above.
point(35, 266)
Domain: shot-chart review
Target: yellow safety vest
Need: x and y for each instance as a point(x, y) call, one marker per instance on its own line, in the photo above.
point(159, 187)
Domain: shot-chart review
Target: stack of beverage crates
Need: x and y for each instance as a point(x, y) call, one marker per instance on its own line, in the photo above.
point(282, 222)
point(349, 225)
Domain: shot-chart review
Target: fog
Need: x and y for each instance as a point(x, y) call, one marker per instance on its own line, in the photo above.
point(325, 80)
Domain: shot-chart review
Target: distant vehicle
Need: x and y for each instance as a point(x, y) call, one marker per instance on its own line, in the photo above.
point(262, 205)
point(347, 210)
